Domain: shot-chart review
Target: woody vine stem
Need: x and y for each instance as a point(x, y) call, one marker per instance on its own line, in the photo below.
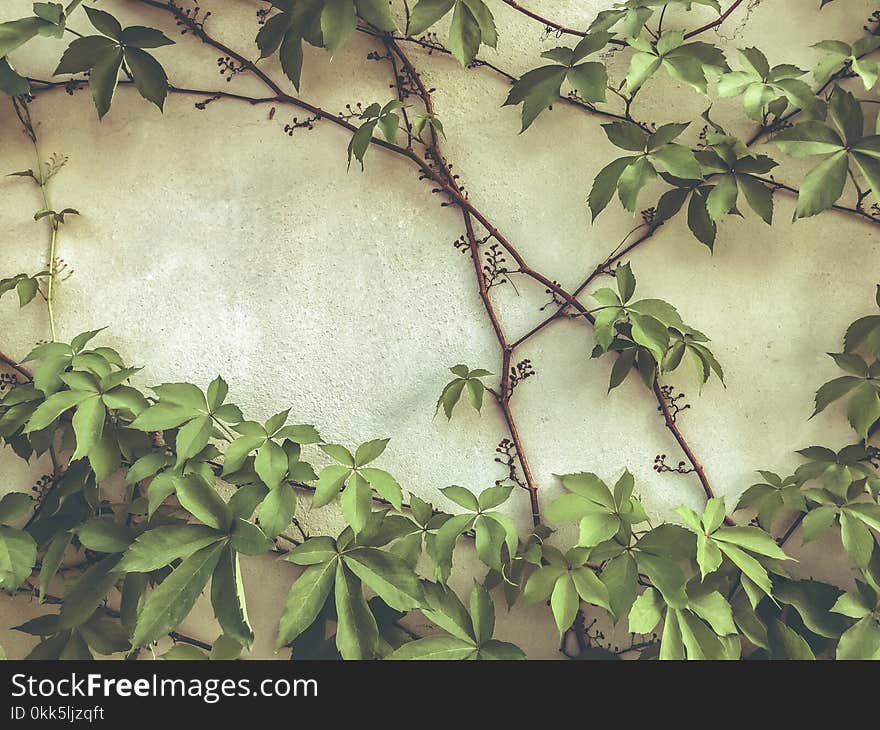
point(616, 564)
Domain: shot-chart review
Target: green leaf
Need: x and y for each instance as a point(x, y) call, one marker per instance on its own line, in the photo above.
point(485, 21)
point(699, 221)
point(822, 186)
point(606, 183)
point(338, 20)
point(303, 434)
point(339, 453)
point(808, 138)
point(758, 195)
point(313, 551)
point(200, 499)
point(426, 13)
point(160, 546)
point(376, 12)
point(666, 576)
point(442, 648)
point(589, 80)
point(626, 282)
point(626, 135)
point(475, 390)
point(248, 539)
point(620, 576)
point(18, 553)
point(88, 593)
point(12, 84)
point(162, 416)
point(650, 333)
point(356, 502)
point(305, 600)
point(192, 438)
point(860, 642)
point(863, 409)
point(462, 497)
point(590, 588)
point(646, 612)
point(671, 646)
point(330, 481)
point(446, 538)
point(103, 80)
point(369, 451)
point(834, 389)
point(722, 198)
point(148, 75)
point(18, 32)
point(597, 527)
point(817, 522)
point(868, 513)
point(228, 599)
point(238, 451)
point(277, 510)
point(137, 36)
point(714, 609)
point(708, 555)
point(494, 496)
point(291, 56)
point(146, 467)
point(14, 506)
point(641, 67)
point(172, 601)
point(104, 23)
point(52, 408)
point(464, 34)
point(814, 601)
point(385, 484)
point(482, 614)
point(678, 161)
point(564, 601)
point(786, 644)
point(27, 289)
point(749, 566)
point(857, 539)
point(752, 539)
point(357, 636)
point(589, 486)
point(853, 605)
point(391, 578)
point(542, 582)
point(271, 464)
point(104, 535)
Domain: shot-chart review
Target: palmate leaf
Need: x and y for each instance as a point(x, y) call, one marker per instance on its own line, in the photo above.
point(472, 25)
point(539, 88)
point(470, 631)
point(103, 56)
point(172, 601)
point(305, 599)
point(842, 138)
point(228, 599)
point(687, 62)
point(18, 553)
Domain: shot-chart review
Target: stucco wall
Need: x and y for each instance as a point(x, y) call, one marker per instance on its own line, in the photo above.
point(211, 242)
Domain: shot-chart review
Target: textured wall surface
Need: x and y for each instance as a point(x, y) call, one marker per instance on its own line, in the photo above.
point(211, 242)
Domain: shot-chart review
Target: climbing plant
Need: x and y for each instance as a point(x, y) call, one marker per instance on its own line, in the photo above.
point(155, 494)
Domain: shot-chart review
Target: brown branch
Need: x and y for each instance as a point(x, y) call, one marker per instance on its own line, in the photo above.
point(440, 175)
point(18, 367)
point(503, 397)
point(685, 447)
point(544, 21)
point(715, 23)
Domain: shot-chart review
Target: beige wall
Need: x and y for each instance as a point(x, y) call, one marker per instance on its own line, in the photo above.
point(211, 242)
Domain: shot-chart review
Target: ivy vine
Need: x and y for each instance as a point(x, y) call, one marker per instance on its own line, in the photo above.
point(202, 484)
